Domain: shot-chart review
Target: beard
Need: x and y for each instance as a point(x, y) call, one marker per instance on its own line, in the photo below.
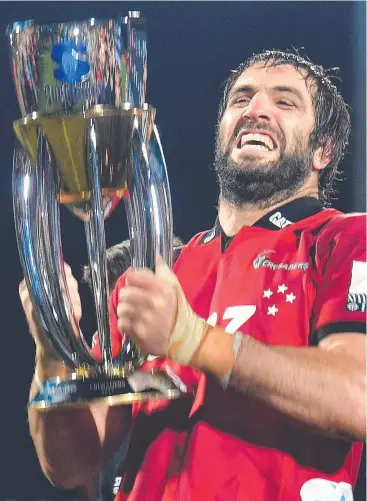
point(258, 183)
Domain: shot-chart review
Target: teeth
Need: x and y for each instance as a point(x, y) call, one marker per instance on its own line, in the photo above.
point(261, 138)
point(255, 147)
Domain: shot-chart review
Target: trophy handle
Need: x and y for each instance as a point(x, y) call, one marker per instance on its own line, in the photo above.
point(148, 209)
point(161, 199)
point(37, 226)
point(96, 244)
point(148, 206)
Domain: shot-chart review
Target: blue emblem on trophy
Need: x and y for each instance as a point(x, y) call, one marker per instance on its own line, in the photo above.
point(72, 62)
point(87, 139)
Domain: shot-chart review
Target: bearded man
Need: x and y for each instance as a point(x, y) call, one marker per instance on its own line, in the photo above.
point(264, 315)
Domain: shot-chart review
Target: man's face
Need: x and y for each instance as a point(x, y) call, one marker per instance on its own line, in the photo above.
point(262, 149)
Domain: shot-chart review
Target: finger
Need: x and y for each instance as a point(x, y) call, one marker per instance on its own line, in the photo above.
point(135, 327)
point(142, 278)
point(124, 326)
point(77, 310)
point(73, 291)
point(163, 271)
point(70, 279)
point(28, 309)
point(26, 301)
point(22, 285)
point(67, 268)
point(159, 261)
point(136, 297)
point(23, 292)
point(127, 316)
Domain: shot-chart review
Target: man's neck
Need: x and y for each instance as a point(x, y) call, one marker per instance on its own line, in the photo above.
point(233, 218)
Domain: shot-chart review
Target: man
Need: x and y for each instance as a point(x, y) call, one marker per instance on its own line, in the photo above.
point(279, 364)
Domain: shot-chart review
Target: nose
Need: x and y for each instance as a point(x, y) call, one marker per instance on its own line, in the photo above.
point(257, 108)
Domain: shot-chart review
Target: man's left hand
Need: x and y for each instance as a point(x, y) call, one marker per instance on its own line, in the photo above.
point(147, 308)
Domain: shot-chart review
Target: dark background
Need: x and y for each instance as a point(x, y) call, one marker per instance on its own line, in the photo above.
point(192, 47)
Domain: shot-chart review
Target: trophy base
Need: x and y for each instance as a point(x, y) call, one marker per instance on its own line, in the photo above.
point(136, 387)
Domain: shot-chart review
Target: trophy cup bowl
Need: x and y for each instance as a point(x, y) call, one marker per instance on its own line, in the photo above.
point(87, 139)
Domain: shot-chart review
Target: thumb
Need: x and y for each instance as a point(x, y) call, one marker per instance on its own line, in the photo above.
point(162, 270)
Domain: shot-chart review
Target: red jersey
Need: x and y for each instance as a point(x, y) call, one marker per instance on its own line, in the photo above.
point(292, 278)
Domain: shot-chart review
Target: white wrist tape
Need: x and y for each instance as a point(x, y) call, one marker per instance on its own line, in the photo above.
point(189, 329)
point(188, 332)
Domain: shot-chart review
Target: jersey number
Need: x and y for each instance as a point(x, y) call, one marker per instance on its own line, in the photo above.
point(238, 316)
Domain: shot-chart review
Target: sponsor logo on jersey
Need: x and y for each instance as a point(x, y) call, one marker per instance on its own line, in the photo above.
point(116, 485)
point(279, 221)
point(263, 261)
point(357, 293)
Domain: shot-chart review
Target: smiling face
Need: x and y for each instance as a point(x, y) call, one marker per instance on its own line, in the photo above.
point(263, 139)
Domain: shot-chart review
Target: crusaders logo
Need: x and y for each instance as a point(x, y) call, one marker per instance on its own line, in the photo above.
point(263, 261)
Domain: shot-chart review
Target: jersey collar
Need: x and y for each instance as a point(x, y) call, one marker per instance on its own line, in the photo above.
point(277, 219)
point(290, 213)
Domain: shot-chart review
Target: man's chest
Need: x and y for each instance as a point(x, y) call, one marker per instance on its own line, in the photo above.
point(263, 287)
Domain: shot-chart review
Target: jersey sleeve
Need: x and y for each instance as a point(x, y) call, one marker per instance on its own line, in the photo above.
point(340, 302)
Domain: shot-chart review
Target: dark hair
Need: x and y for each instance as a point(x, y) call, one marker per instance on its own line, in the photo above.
point(119, 260)
point(332, 119)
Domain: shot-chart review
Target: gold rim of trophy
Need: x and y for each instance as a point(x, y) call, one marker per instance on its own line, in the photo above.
point(35, 118)
point(111, 401)
point(84, 372)
point(99, 110)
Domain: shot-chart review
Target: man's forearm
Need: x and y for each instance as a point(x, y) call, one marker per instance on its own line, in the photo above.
point(311, 385)
point(73, 444)
point(67, 445)
point(325, 390)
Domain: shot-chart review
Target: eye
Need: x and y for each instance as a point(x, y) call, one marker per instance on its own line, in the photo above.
point(242, 100)
point(286, 104)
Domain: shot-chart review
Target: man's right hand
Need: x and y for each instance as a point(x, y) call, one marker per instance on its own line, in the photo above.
point(86, 435)
point(25, 298)
point(48, 363)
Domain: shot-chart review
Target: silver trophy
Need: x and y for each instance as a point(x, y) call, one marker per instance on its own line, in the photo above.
point(87, 140)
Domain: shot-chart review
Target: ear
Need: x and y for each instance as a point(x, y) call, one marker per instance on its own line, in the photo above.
point(322, 157)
